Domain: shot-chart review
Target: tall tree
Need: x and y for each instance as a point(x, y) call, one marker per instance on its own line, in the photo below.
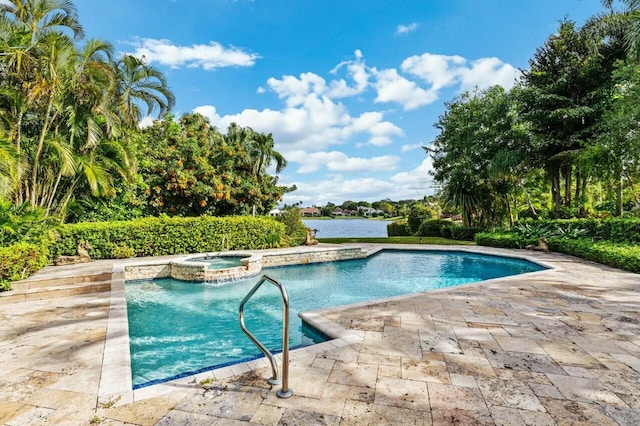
point(562, 98)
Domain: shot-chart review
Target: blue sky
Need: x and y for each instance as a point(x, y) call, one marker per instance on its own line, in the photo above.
point(350, 89)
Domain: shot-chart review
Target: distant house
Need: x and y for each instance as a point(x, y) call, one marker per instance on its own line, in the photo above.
point(310, 212)
point(368, 211)
point(346, 212)
point(276, 212)
point(337, 212)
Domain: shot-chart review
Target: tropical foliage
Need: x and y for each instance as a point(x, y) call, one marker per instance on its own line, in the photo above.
point(564, 142)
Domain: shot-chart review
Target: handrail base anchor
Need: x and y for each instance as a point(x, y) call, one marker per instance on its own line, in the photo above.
point(284, 395)
point(274, 381)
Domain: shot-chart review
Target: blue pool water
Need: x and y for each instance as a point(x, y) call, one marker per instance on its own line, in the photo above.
point(178, 327)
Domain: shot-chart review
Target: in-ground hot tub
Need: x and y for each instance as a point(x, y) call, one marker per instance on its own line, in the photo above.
point(217, 267)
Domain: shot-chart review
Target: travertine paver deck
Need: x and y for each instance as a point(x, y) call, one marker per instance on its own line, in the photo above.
point(554, 347)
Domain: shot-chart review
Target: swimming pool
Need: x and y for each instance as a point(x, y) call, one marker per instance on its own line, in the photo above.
point(178, 328)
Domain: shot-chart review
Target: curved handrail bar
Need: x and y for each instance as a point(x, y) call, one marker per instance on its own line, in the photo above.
point(285, 392)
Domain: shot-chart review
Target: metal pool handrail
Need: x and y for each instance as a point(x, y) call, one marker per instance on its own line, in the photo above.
point(285, 392)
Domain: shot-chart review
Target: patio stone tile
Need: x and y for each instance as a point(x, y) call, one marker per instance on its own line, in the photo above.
point(268, 415)
point(307, 382)
point(536, 418)
point(439, 341)
point(184, 418)
point(504, 416)
point(36, 415)
point(632, 401)
point(427, 371)
point(323, 363)
point(10, 410)
point(629, 360)
point(332, 399)
point(469, 365)
point(515, 344)
point(299, 417)
point(623, 416)
point(390, 371)
point(402, 393)
point(524, 361)
point(357, 413)
point(456, 405)
point(357, 393)
point(546, 391)
point(233, 402)
point(570, 355)
point(354, 374)
point(509, 393)
point(368, 358)
point(146, 412)
point(577, 413)
point(585, 390)
point(463, 381)
point(296, 402)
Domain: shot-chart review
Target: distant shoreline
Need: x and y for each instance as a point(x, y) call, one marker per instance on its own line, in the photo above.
point(347, 218)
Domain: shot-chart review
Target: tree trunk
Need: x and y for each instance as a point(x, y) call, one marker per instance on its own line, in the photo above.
point(36, 158)
point(633, 189)
point(506, 200)
point(619, 188)
point(555, 188)
point(567, 186)
point(578, 188)
point(532, 209)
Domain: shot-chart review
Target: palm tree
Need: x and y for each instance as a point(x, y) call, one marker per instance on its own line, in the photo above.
point(41, 17)
point(624, 24)
point(139, 83)
point(263, 152)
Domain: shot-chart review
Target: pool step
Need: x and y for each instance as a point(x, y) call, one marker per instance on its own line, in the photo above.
point(59, 283)
point(66, 290)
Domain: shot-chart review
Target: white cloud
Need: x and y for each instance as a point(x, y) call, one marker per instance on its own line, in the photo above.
point(442, 71)
point(406, 29)
point(145, 122)
point(261, 90)
point(206, 56)
point(414, 184)
point(487, 72)
point(337, 161)
point(392, 87)
point(417, 180)
point(295, 90)
point(412, 147)
point(438, 70)
point(315, 123)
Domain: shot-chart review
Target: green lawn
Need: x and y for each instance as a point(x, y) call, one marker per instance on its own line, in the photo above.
point(397, 240)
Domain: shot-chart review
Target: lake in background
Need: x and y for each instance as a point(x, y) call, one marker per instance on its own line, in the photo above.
point(347, 228)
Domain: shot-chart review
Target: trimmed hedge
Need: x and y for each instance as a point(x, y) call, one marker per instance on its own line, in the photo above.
point(624, 256)
point(615, 230)
point(20, 260)
point(499, 239)
point(433, 228)
point(465, 233)
point(399, 228)
point(164, 236)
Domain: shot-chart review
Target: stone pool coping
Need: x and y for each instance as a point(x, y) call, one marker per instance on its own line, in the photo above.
point(116, 379)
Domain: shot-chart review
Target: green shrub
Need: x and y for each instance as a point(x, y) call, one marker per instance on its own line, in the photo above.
point(164, 236)
point(296, 232)
point(399, 228)
point(20, 260)
point(122, 252)
point(501, 239)
point(465, 233)
point(417, 216)
point(447, 232)
point(624, 256)
point(433, 228)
